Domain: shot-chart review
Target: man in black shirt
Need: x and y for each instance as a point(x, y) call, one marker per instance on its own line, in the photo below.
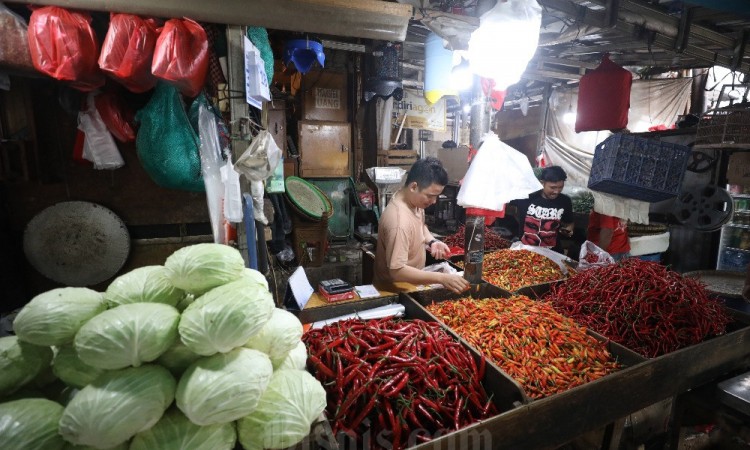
point(546, 212)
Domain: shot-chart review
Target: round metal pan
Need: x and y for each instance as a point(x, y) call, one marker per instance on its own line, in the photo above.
point(76, 243)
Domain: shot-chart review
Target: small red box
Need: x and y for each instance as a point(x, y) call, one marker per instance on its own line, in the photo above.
point(330, 298)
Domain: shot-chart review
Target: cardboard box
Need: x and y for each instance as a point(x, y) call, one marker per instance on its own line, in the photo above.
point(738, 170)
point(325, 96)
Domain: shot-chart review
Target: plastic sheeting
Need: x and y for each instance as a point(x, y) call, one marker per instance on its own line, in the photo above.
point(652, 103)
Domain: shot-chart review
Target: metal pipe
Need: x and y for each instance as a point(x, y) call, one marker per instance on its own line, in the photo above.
point(369, 19)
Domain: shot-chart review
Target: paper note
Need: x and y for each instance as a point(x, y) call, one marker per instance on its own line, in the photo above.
point(301, 288)
point(367, 291)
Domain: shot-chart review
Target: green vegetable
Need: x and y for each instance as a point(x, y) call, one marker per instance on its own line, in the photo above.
point(185, 302)
point(178, 358)
point(286, 410)
point(20, 363)
point(127, 335)
point(201, 267)
point(117, 405)
point(144, 284)
point(69, 446)
point(30, 423)
point(54, 317)
point(254, 275)
point(223, 387)
point(295, 359)
point(279, 335)
point(68, 367)
point(225, 317)
point(175, 432)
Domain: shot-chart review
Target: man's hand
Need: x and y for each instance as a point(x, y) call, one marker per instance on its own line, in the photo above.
point(455, 283)
point(439, 250)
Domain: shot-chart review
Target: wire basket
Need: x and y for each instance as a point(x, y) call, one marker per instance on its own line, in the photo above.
point(639, 168)
point(724, 128)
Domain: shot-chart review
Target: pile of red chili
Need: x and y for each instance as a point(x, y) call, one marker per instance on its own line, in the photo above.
point(544, 351)
point(641, 305)
point(492, 240)
point(396, 381)
point(514, 269)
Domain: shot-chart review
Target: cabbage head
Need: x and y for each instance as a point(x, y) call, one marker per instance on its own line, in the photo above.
point(175, 432)
point(223, 387)
point(201, 267)
point(67, 366)
point(278, 336)
point(127, 335)
point(54, 317)
point(295, 359)
point(20, 363)
point(185, 302)
point(285, 412)
point(255, 276)
point(117, 405)
point(30, 423)
point(144, 284)
point(178, 358)
point(225, 317)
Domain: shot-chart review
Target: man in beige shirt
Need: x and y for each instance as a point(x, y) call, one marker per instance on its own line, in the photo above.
point(403, 236)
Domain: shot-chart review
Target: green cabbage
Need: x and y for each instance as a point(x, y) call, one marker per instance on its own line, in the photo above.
point(286, 410)
point(69, 446)
point(223, 387)
point(225, 317)
point(255, 276)
point(295, 359)
point(54, 317)
point(201, 267)
point(175, 432)
point(20, 363)
point(127, 335)
point(185, 302)
point(117, 405)
point(67, 366)
point(278, 336)
point(144, 284)
point(178, 358)
point(30, 423)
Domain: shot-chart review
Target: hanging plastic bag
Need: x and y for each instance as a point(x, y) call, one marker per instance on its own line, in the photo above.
point(14, 46)
point(166, 143)
point(232, 192)
point(211, 163)
point(117, 115)
point(64, 46)
point(260, 158)
point(98, 146)
point(128, 49)
point(592, 255)
point(181, 56)
point(497, 174)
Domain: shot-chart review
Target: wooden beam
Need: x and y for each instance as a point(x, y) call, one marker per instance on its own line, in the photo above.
point(369, 19)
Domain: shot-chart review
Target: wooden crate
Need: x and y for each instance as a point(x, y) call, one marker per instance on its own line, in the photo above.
point(397, 158)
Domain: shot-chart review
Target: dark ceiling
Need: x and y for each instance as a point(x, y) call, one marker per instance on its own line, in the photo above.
point(648, 37)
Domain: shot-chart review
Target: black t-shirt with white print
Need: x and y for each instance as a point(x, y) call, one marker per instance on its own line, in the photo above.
point(540, 218)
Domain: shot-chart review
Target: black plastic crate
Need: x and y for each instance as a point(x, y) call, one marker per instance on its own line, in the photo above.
point(638, 168)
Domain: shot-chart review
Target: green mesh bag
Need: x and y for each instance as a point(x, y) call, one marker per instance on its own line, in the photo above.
point(167, 145)
point(259, 37)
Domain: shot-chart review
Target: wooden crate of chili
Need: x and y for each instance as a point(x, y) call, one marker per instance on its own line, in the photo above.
point(543, 351)
point(402, 381)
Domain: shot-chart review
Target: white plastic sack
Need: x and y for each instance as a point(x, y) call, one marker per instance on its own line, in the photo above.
point(211, 163)
point(99, 147)
point(561, 260)
point(497, 174)
point(260, 158)
point(593, 256)
point(257, 192)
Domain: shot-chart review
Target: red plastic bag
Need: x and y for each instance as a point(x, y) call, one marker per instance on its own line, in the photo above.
point(604, 98)
point(117, 116)
point(64, 46)
point(181, 56)
point(128, 49)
